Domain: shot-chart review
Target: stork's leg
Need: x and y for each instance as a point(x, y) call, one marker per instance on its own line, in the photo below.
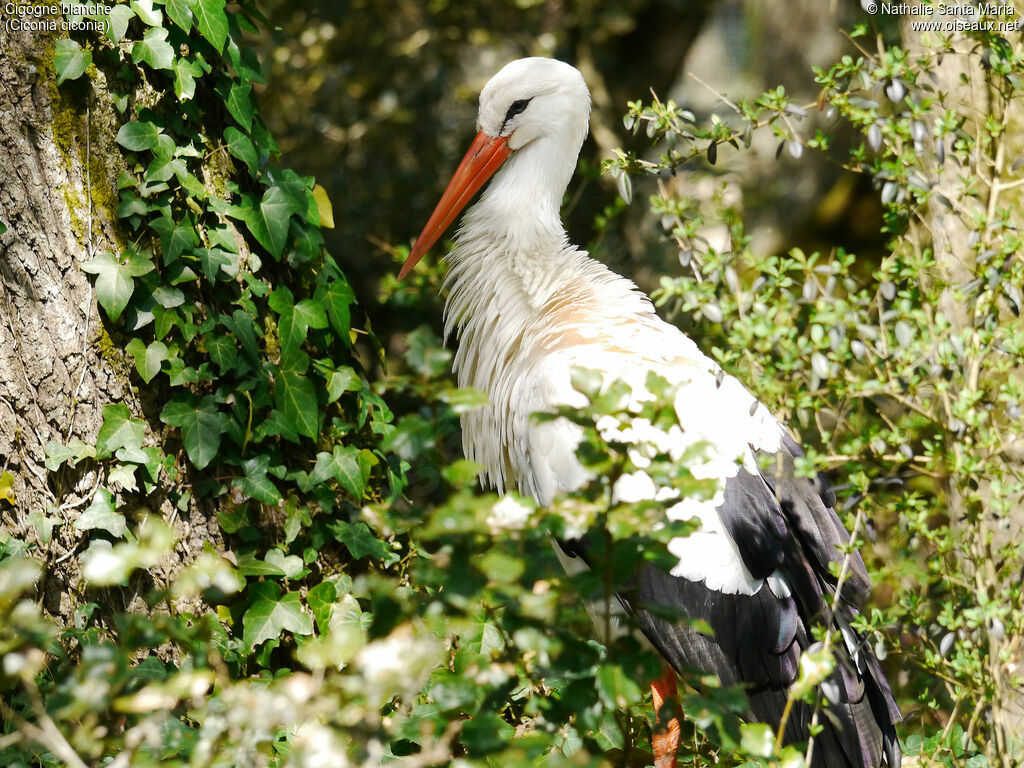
point(665, 740)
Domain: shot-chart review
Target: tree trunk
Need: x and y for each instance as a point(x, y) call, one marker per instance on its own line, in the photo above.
point(969, 91)
point(58, 366)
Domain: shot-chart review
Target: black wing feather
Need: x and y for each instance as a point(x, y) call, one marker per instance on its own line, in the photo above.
point(783, 525)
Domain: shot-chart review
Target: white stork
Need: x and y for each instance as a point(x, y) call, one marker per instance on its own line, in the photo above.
point(528, 306)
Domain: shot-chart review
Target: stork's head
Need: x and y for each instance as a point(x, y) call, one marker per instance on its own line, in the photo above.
point(535, 97)
point(526, 101)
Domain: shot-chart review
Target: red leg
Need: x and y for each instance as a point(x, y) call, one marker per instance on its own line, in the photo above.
point(665, 741)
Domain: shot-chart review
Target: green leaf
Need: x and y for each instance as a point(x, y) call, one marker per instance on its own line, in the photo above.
point(321, 600)
point(250, 565)
point(69, 60)
point(175, 236)
point(43, 524)
point(341, 380)
point(277, 208)
point(180, 12)
point(343, 465)
point(123, 475)
point(153, 49)
point(426, 353)
point(290, 565)
point(361, 542)
point(185, 74)
point(256, 484)
point(215, 261)
point(239, 145)
point(271, 613)
point(114, 283)
point(239, 104)
point(223, 352)
point(73, 452)
point(757, 739)
point(336, 296)
point(201, 427)
point(485, 733)
point(101, 515)
point(117, 23)
point(212, 22)
point(138, 135)
point(149, 15)
point(119, 430)
point(296, 399)
point(615, 688)
point(57, 454)
point(147, 359)
point(295, 319)
point(240, 323)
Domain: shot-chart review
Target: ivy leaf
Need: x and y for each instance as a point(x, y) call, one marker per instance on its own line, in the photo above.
point(341, 380)
point(212, 22)
point(240, 324)
point(256, 484)
point(138, 135)
point(250, 565)
point(185, 74)
point(222, 351)
point(180, 12)
point(270, 613)
point(69, 60)
point(361, 542)
point(336, 296)
point(114, 283)
point(117, 25)
point(239, 145)
point(277, 208)
point(101, 515)
point(43, 524)
point(175, 237)
point(269, 222)
point(290, 565)
point(215, 260)
point(201, 427)
point(147, 358)
point(321, 599)
point(240, 105)
point(153, 49)
point(73, 452)
point(119, 430)
point(295, 320)
point(343, 465)
point(149, 16)
point(296, 399)
point(324, 207)
point(123, 475)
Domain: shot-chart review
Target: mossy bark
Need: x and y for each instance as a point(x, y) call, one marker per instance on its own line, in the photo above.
point(59, 162)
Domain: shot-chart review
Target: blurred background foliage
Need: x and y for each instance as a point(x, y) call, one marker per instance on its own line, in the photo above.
point(378, 101)
point(781, 215)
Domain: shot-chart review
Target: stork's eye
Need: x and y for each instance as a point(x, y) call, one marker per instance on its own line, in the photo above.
point(517, 106)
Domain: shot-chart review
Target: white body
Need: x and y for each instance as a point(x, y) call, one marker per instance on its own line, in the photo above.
point(528, 307)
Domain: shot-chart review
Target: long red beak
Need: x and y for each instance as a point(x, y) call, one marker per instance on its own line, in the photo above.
point(485, 156)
